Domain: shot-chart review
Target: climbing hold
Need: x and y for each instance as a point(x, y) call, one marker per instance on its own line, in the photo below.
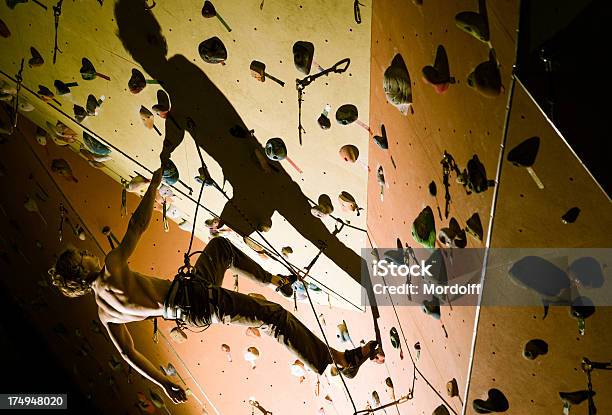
point(303, 54)
point(46, 95)
point(137, 82)
point(390, 389)
point(79, 113)
point(486, 77)
point(441, 410)
point(424, 228)
point(397, 86)
point(348, 203)
point(432, 308)
point(381, 140)
point(380, 179)
point(349, 153)
point(4, 30)
point(534, 348)
point(255, 247)
point(41, 136)
point(171, 174)
point(474, 177)
point(323, 208)
point(36, 60)
point(581, 309)
point(496, 402)
point(474, 23)
point(94, 145)
point(25, 106)
point(474, 226)
point(394, 336)
point(438, 75)
point(114, 363)
point(276, 149)
point(453, 236)
point(62, 88)
point(93, 105)
point(162, 108)
point(286, 250)
point(93, 158)
point(570, 216)
point(252, 332)
point(178, 335)
point(433, 189)
point(323, 120)
point(452, 388)
point(251, 355)
point(539, 275)
point(258, 71)
point(146, 117)
point(227, 350)
point(346, 114)
point(62, 168)
point(209, 11)
point(586, 272)
point(213, 51)
point(298, 370)
point(524, 155)
point(88, 72)
point(575, 398)
point(62, 132)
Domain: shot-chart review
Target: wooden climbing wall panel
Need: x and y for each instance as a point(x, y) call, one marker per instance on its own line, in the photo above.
point(533, 386)
point(460, 121)
point(464, 122)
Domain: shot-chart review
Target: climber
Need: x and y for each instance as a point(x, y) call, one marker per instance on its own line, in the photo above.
point(125, 296)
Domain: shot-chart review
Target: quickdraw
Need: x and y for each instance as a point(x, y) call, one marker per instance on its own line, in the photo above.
point(301, 84)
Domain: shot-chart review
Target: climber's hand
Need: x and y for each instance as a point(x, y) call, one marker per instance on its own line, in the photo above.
point(174, 392)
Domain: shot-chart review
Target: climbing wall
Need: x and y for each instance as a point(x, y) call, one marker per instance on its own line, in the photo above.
point(459, 119)
point(450, 116)
point(208, 93)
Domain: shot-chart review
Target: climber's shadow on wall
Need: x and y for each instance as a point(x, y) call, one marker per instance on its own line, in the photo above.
point(193, 95)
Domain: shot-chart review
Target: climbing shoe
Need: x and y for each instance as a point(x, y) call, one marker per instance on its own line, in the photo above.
point(355, 358)
point(496, 402)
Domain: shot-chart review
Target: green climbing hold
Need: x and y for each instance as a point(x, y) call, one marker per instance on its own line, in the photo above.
point(424, 228)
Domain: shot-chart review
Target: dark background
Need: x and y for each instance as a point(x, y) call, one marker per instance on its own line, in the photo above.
point(562, 60)
point(28, 366)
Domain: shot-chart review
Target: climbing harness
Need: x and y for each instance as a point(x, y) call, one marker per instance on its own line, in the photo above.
point(301, 84)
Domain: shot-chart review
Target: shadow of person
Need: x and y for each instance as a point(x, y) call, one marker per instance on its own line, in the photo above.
point(257, 194)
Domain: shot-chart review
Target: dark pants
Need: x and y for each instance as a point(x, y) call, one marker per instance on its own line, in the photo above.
point(230, 307)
